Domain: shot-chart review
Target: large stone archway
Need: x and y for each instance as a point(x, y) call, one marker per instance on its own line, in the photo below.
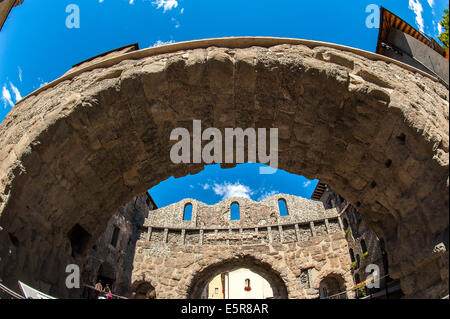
point(201, 279)
point(376, 130)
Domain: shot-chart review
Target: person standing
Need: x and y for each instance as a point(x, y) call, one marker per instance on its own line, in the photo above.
point(108, 292)
point(98, 289)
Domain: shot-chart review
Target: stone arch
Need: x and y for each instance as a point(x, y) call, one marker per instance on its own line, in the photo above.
point(202, 277)
point(142, 290)
point(332, 286)
point(106, 274)
point(78, 148)
point(344, 279)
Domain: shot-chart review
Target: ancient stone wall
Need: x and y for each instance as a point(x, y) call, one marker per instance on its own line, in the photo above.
point(356, 232)
point(77, 149)
point(293, 252)
point(117, 259)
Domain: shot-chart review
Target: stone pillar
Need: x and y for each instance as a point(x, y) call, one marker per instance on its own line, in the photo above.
point(183, 236)
point(341, 225)
point(149, 233)
point(280, 229)
point(201, 236)
point(327, 225)
point(297, 232)
point(166, 235)
point(310, 279)
point(269, 232)
point(313, 231)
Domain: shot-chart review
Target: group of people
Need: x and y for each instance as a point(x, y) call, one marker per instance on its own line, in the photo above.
point(102, 293)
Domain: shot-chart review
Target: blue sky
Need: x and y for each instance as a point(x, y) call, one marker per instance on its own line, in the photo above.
point(36, 47)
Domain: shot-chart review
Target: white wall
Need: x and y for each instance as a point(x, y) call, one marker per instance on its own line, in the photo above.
point(235, 284)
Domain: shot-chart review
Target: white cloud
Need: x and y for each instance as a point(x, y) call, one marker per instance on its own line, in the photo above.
point(166, 4)
point(440, 29)
point(228, 190)
point(267, 195)
point(20, 73)
point(431, 3)
point(416, 6)
point(6, 97)
point(306, 184)
point(177, 24)
point(206, 186)
point(17, 95)
point(159, 43)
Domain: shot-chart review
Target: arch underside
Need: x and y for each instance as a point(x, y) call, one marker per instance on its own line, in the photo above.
point(377, 133)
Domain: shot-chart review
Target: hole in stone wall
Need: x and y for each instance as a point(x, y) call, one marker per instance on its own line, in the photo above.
point(373, 184)
point(115, 236)
point(79, 238)
point(352, 255)
point(14, 240)
point(363, 246)
point(388, 163)
point(345, 222)
point(358, 204)
point(401, 138)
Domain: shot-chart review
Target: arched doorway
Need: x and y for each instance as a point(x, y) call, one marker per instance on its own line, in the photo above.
point(332, 287)
point(232, 272)
point(80, 147)
point(106, 275)
point(143, 290)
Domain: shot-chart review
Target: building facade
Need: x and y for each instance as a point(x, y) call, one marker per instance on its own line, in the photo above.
point(365, 248)
point(178, 256)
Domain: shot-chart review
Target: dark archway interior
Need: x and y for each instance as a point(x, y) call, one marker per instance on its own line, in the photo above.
point(202, 278)
point(332, 287)
point(143, 290)
point(106, 275)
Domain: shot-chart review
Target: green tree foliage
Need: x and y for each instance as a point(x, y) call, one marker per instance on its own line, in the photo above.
point(444, 23)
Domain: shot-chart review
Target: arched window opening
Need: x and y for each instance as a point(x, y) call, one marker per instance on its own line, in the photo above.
point(358, 261)
point(235, 212)
point(115, 236)
point(352, 255)
point(345, 224)
point(357, 279)
point(364, 247)
point(282, 206)
point(187, 212)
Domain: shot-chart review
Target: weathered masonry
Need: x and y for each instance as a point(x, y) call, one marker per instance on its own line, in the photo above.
point(374, 129)
point(294, 253)
point(110, 260)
